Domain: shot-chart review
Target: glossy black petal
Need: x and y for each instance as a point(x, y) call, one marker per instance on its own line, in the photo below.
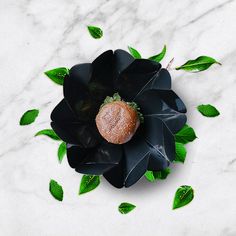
point(94, 161)
point(136, 77)
point(115, 176)
point(160, 138)
point(77, 94)
point(152, 103)
point(103, 70)
point(85, 135)
point(156, 161)
point(75, 154)
point(174, 120)
point(172, 100)
point(63, 113)
point(137, 153)
point(161, 81)
point(122, 60)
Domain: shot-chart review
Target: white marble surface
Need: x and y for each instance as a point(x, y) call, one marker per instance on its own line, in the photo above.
point(37, 35)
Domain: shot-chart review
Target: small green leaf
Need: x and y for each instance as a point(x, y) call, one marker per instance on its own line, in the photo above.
point(208, 110)
point(183, 196)
point(185, 135)
point(149, 176)
point(89, 183)
point(61, 151)
point(153, 175)
point(161, 174)
point(125, 207)
point(180, 152)
point(57, 75)
point(95, 32)
point(159, 56)
point(134, 52)
point(48, 132)
point(29, 117)
point(56, 190)
point(199, 64)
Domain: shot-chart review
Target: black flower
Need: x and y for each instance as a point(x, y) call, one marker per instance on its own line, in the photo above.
point(141, 81)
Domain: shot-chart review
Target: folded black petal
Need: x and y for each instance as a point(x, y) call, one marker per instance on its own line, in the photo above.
point(160, 138)
point(103, 70)
point(85, 135)
point(94, 161)
point(77, 93)
point(63, 113)
point(162, 80)
point(122, 60)
point(138, 75)
point(156, 161)
point(136, 159)
point(169, 109)
point(115, 175)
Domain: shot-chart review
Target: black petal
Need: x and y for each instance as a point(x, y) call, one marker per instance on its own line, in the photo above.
point(156, 161)
point(174, 120)
point(75, 154)
point(122, 60)
point(103, 70)
point(137, 154)
point(85, 135)
point(63, 113)
point(81, 74)
point(152, 104)
point(160, 138)
point(115, 176)
point(97, 160)
point(136, 77)
point(77, 94)
point(172, 100)
point(162, 80)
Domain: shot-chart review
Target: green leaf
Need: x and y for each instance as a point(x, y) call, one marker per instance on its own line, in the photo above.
point(88, 183)
point(29, 117)
point(153, 175)
point(125, 207)
point(149, 176)
point(159, 56)
point(56, 190)
point(48, 132)
point(95, 31)
point(185, 135)
point(57, 75)
point(208, 110)
point(134, 52)
point(161, 174)
point(183, 196)
point(61, 151)
point(199, 64)
point(180, 152)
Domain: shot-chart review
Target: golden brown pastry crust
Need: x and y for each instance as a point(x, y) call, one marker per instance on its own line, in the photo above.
point(117, 122)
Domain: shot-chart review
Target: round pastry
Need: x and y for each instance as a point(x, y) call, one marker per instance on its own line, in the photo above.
point(117, 122)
